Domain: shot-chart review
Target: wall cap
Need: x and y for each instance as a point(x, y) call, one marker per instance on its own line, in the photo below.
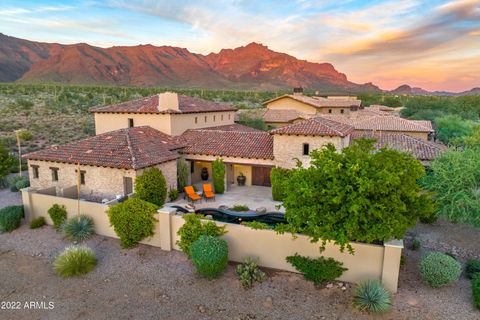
point(395, 243)
point(167, 210)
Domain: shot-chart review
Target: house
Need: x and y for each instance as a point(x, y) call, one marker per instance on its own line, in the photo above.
point(160, 130)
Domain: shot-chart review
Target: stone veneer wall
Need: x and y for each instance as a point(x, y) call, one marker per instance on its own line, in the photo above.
point(169, 170)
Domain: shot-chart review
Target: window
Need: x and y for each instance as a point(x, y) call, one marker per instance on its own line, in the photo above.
point(82, 176)
point(329, 110)
point(35, 172)
point(130, 123)
point(221, 117)
point(54, 173)
point(196, 120)
point(228, 117)
point(306, 149)
point(205, 119)
point(214, 118)
point(341, 110)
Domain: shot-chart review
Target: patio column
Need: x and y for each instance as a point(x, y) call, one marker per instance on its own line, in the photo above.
point(165, 227)
point(391, 264)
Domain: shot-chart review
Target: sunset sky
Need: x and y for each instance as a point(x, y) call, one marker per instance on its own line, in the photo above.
point(431, 44)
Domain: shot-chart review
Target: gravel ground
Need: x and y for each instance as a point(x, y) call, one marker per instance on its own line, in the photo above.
point(8, 198)
point(147, 283)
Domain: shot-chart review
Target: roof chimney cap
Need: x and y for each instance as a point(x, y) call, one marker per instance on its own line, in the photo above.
point(168, 101)
point(298, 91)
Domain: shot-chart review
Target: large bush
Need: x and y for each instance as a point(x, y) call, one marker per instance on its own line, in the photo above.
point(194, 228)
point(455, 179)
point(182, 174)
point(278, 176)
point(78, 228)
point(476, 290)
point(151, 186)
point(472, 266)
point(10, 218)
point(358, 194)
point(133, 220)
point(210, 256)
point(58, 214)
point(218, 175)
point(6, 162)
point(372, 296)
point(75, 261)
point(438, 269)
point(319, 270)
point(19, 182)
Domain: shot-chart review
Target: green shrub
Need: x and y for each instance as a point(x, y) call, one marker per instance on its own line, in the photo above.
point(10, 218)
point(218, 175)
point(183, 171)
point(151, 186)
point(472, 266)
point(278, 176)
point(133, 220)
point(58, 214)
point(239, 207)
point(429, 217)
point(78, 228)
point(476, 290)
point(193, 228)
point(22, 183)
point(257, 225)
point(210, 256)
point(249, 273)
point(371, 296)
point(416, 244)
point(38, 222)
point(75, 261)
point(438, 269)
point(319, 270)
point(173, 194)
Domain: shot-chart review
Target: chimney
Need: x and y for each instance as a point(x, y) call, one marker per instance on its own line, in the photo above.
point(168, 100)
point(298, 91)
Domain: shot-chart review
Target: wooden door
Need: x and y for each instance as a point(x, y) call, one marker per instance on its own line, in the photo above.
point(261, 176)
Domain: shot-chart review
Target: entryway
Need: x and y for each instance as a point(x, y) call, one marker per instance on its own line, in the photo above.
point(261, 176)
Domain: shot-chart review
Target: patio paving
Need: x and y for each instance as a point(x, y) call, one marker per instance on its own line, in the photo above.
point(252, 196)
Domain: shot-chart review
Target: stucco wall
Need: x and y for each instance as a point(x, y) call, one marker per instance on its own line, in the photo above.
point(288, 103)
point(182, 122)
point(287, 148)
point(335, 110)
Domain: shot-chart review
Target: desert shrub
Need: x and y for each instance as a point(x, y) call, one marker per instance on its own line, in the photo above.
point(472, 266)
point(182, 174)
point(416, 244)
point(239, 207)
point(75, 261)
point(278, 176)
point(22, 183)
point(38, 222)
point(257, 225)
point(249, 273)
point(10, 218)
point(193, 229)
point(78, 228)
point(132, 220)
point(173, 194)
point(476, 290)
point(58, 214)
point(210, 256)
point(438, 269)
point(6, 162)
point(218, 175)
point(403, 260)
point(319, 270)
point(371, 296)
point(151, 186)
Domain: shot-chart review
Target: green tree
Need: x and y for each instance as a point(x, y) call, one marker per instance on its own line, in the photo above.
point(6, 162)
point(218, 175)
point(358, 194)
point(151, 186)
point(253, 122)
point(455, 179)
point(453, 129)
point(392, 101)
point(182, 174)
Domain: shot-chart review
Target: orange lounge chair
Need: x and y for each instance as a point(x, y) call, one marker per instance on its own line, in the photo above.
point(192, 196)
point(208, 192)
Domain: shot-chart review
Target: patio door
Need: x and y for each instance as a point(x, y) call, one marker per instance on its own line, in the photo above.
point(261, 176)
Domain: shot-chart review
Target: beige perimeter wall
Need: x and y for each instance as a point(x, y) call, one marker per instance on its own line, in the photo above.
point(368, 262)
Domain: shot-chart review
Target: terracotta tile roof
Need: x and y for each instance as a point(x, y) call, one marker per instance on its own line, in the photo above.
point(320, 102)
point(419, 148)
point(233, 127)
point(150, 105)
point(318, 126)
point(131, 148)
point(278, 115)
point(426, 123)
point(243, 144)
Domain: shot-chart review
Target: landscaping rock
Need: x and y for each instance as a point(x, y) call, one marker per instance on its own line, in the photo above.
point(268, 303)
point(329, 286)
point(201, 309)
point(261, 210)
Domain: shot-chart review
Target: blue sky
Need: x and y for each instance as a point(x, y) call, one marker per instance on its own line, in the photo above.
point(433, 44)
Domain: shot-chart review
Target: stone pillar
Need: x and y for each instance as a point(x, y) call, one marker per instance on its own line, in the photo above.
point(165, 227)
point(391, 264)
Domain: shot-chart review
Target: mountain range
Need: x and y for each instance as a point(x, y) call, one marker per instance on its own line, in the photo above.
point(253, 66)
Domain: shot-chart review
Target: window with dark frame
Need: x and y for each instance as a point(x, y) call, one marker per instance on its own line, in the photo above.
point(306, 149)
point(54, 173)
point(205, 118)
point(196, 120)
point(341, 110)
point(82, 176)
point(329, 110)
point(214, 118)
point(35, 171)
point(130, 123)
point(221, 117)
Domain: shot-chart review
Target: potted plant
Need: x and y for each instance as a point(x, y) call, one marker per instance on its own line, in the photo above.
point(204, 174)
point(241, 179)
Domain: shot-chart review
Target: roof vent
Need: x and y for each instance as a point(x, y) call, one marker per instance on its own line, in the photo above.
point(168, 101)
point(297, 91)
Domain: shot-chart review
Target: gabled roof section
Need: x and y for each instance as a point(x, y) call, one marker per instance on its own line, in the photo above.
point(186, 104)
point(318, 126)
point(254, 144)
point(319, 102)
point(419, 148)
point(131, 148)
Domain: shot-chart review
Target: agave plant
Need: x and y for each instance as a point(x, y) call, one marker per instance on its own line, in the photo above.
point(371, 296)
point(78, 228)
point(75, 261)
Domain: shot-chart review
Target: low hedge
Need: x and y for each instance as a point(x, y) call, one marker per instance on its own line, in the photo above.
point(37, 223)
point(10, 218)
point(438, 269)
point(472, 266)
point(58, 214)
point(210, 256)
point(319, 270)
